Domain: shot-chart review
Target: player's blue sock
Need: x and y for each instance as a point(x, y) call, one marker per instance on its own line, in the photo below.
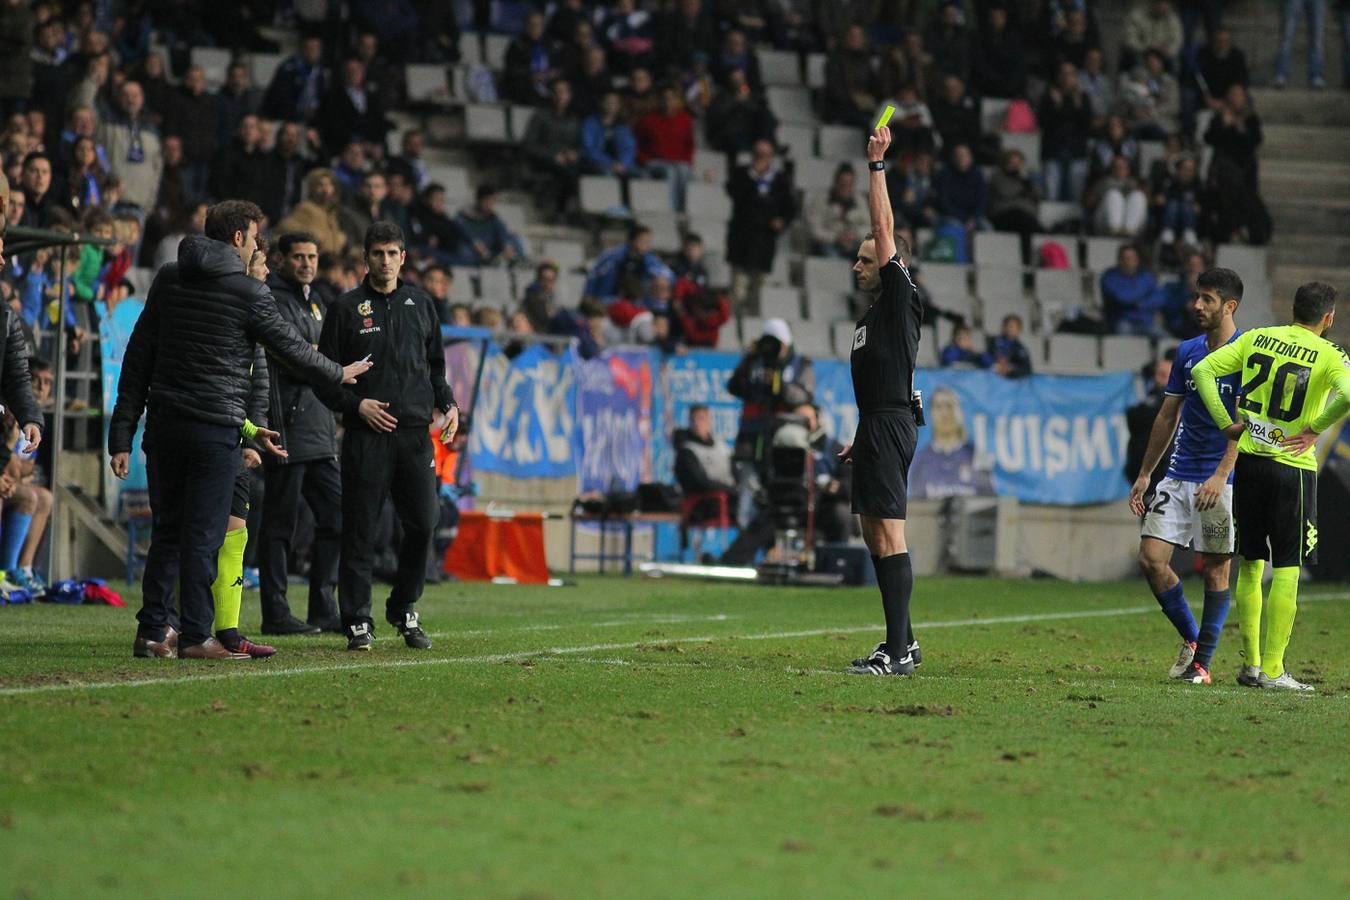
point(1174, 606)
point(1211, 624)
point(12, 536)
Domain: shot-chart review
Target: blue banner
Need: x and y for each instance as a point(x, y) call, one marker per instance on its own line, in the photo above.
point(523, 415)
point(1049, 439)
point(614, 434)
point(1053, 439)
point(695, 379)
point(114, 330)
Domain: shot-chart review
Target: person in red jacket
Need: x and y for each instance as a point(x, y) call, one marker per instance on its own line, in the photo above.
point(665, 139)
point(701, 313)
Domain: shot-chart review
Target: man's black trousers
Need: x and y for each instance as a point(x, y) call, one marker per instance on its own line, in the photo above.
point(319, 484)
point(190, 468)
point(400, 466)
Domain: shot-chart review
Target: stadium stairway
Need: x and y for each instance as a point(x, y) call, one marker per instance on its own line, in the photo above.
point(1305, 179)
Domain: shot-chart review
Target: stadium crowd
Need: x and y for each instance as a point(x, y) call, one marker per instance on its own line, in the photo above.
point(111, 129)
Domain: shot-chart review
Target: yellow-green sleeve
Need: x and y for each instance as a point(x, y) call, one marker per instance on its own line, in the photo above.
point(1224, 361)
point(248, 430)
point(1339, 373)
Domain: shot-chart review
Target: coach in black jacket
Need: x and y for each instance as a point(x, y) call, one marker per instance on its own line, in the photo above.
point(189, 361)
point(309, 471)
point(386, 451)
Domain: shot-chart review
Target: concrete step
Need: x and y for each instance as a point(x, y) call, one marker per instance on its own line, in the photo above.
point(1316, 180)
point(1299, 249)
point(1300, 106)
point(1292, 276)
point(1307, 214)
point(1304, 143)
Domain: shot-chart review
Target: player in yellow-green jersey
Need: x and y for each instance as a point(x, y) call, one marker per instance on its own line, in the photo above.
point(1288, 372)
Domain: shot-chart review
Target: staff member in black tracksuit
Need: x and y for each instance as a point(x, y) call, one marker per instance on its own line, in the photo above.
point(189, 360)
point(310, 469)
point(385, 449)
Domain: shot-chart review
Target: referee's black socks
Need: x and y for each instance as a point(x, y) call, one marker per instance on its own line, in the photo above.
point(895, 578)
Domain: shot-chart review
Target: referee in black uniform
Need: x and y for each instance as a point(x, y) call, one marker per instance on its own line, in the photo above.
point(884, 347)
point(386, 452)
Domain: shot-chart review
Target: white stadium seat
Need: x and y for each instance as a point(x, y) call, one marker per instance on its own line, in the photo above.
point(1125, 352)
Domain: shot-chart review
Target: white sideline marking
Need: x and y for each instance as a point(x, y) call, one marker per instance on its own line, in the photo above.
point(613, 623)
point(243, 670)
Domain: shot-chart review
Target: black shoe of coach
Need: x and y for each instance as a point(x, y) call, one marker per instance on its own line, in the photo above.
point(290, 625)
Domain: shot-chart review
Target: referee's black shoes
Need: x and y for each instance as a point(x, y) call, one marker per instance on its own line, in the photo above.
point(288, 626)
point(880, 663)
point(412, 632)
point(913, 650)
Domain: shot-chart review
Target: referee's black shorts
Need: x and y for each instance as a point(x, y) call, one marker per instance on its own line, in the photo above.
point(883, 448)
point(243, 490)
point(1275, 506)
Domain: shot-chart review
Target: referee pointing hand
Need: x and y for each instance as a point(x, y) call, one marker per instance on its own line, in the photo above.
point(385, 451)
point(885, 343)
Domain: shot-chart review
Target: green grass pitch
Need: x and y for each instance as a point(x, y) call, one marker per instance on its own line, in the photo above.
point(627, 738)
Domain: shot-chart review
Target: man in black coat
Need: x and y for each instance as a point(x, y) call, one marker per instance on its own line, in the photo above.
point(190, 360)
point(309, 471)
point(763, 205)
point(386, 452)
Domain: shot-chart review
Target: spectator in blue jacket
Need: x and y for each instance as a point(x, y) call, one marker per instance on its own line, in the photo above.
point(633, 258)
point(961, 351)
point(1007, 354)
point(1131, 295)
point(962, 193)
point(489, 240)
point(608, 145)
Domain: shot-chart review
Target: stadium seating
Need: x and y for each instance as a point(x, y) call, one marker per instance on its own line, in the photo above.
point(214, 63)
point(791, 104)
point(1099, 253)
point(815, 70)
point(713, 232)
point(707, 201)
point(485, 124)
point(494, 50)
point(783, 303)
point(824, 305)
point(1124, 351)
point(519, 120)
point(827, 273)
point(779, 67)
point(799, 140)
point(1071, 353)
point(997, 248)
point(840, 142)
point(600, 194)
point(812, 338)
point(567, 254)
point(426, 83)
point(649, 196)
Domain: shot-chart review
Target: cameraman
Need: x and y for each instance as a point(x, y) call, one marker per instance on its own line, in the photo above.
point(770, 379)
point(833, 485)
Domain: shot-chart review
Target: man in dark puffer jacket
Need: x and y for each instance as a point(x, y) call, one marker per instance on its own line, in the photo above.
point(189, 361)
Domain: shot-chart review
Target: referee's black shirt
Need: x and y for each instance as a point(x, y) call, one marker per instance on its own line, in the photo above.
point(886, 342)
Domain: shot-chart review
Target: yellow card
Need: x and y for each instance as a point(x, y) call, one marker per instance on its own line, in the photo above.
point(886, 116)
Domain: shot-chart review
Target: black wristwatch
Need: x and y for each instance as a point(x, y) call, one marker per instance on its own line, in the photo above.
point(877, 165)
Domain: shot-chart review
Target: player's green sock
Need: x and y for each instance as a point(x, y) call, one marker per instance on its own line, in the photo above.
point(1248, 597)
point(228, 588)
point(1280, 609)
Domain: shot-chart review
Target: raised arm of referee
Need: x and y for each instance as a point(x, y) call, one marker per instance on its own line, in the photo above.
point(885, 343)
